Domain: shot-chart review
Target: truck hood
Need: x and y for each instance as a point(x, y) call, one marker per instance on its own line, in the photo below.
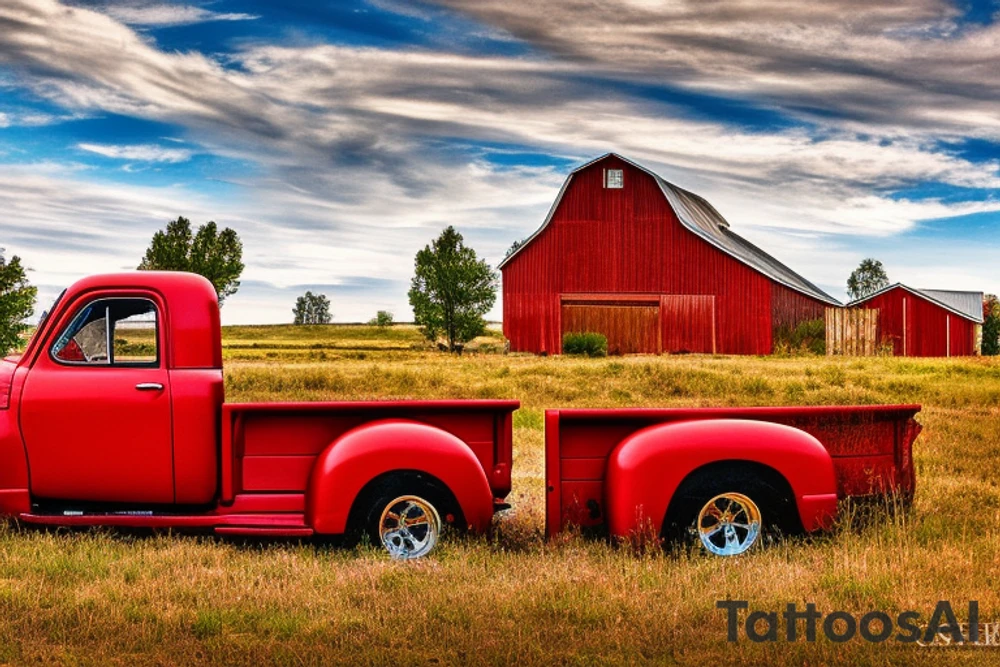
point(7, 368)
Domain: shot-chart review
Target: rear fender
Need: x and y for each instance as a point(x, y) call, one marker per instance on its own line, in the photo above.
point(646, 468)
point(354, 459)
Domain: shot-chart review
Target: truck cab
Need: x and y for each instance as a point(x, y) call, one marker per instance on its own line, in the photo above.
point(115, 415)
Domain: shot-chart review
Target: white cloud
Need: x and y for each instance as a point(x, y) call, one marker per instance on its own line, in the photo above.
point(142, 152)
point(884, 65)
point(156, 14)
point(66, 224)
point(31, 118)
point(354, 146)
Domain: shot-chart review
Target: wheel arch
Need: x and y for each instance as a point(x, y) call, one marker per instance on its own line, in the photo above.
point(645, 470)
point(411, 480)
point(352, 461)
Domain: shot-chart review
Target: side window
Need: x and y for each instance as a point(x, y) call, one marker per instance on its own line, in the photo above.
point(111, 332)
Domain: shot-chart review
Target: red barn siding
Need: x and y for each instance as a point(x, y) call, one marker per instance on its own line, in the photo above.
point(926, 327)
point(630, 241)
point(789, 308)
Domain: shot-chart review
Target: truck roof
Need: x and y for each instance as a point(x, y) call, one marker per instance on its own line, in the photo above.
point(192, 317)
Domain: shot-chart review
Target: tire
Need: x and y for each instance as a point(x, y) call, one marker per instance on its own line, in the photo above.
point(727, 512)
point(404, 517)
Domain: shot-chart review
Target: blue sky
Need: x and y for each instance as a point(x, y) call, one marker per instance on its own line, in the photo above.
point(338, 138)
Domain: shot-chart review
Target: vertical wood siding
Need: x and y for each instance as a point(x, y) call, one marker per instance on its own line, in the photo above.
point(630, 329)
point(926, 327)
point(789, 308)
point(688, 323)
point(630, 241)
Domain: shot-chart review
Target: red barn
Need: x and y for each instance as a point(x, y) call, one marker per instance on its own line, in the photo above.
point(927, 323)
point(653, 267)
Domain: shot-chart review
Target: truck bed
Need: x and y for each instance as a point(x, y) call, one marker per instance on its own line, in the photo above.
point(870, 447)
point(269, 448)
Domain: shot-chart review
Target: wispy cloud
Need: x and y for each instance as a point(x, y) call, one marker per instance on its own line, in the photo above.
point(906, 64)
point(32, 118)
point(140, 152)
point(357, 157)
point(162, 14)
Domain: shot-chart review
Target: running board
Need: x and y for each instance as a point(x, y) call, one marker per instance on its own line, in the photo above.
point(291, 524)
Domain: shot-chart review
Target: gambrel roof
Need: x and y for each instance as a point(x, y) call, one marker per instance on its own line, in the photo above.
point(701, 218)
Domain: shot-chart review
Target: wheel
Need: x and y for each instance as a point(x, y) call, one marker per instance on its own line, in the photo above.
point(728, 512)
point(405, 512)
point(729, 524)
point(408, 527)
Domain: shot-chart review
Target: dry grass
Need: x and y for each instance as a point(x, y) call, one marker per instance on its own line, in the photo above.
point(103, 597)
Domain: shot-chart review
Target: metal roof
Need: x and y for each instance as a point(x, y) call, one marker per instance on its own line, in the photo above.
point(701, 218)
point(965, 304)
point(968, 303)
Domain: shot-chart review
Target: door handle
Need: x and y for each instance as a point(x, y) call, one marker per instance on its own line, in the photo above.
point(149, 386)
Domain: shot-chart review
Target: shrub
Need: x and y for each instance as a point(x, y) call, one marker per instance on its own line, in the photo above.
point(807, 337)
point(588, 342)
point(382, 319)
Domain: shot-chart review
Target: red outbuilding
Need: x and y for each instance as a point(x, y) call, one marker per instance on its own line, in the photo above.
point(652, 266)
point(927, 323)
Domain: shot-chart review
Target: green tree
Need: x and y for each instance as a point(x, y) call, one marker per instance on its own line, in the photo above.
point(216, 255)
point(514, 247)
point(17, 302)
point(451, 290)
point(312, 309)
point(382, 319)
point(867, 279)
point(991, 325)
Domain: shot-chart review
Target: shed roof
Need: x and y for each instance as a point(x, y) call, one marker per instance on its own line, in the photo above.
point(701, 218)
point(964, 304)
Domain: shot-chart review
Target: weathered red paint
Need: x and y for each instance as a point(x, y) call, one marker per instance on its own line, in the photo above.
point(83, 439)
point(629, 242)
point(926, 330)
point(619, 468)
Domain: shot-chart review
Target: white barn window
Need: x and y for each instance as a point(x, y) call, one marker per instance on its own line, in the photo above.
point(614, 178)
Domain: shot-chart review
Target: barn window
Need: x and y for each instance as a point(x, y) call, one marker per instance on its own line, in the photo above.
point(614, 178)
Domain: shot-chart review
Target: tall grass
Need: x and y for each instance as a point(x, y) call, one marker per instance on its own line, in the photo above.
point(100, 597)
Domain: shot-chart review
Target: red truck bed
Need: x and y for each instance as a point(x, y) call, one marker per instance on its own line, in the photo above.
point(870, 447)
point(271, 447)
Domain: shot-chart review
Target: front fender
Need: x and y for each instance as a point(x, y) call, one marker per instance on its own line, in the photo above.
point(646, 468)
point(351, 461)
point(14, 497)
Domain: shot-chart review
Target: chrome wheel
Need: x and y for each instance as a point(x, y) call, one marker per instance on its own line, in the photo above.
point(409, 527)
point(729, 524)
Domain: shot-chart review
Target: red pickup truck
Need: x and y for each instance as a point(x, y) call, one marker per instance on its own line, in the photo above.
point(114, 415)
point(722, 476)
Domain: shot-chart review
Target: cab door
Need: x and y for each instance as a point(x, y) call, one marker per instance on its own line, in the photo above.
point(95, 409)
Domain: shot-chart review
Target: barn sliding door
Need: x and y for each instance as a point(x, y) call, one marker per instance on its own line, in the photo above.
point(630, 327)
point(688, 323)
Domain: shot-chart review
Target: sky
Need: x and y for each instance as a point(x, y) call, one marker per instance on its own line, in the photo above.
point(338, 138)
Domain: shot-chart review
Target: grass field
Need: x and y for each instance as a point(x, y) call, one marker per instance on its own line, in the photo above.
point(99, 597)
